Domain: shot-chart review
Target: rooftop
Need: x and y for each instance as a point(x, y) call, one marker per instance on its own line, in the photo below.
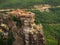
point(20, 12)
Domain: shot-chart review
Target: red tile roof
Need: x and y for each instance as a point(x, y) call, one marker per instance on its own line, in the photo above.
point(21, 12)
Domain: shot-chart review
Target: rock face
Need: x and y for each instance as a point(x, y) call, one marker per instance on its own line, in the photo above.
point(29, 33)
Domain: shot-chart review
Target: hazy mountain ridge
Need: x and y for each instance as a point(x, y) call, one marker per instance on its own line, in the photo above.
point(25, 3)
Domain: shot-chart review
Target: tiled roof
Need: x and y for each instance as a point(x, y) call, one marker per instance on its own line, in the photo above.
point(21, 13)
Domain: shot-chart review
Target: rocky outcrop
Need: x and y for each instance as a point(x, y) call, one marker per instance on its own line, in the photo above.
point(29, 33)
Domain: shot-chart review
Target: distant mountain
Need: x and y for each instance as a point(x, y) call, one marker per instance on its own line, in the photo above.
point(25, 3)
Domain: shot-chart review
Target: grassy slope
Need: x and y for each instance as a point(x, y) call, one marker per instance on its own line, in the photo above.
point(52, 33)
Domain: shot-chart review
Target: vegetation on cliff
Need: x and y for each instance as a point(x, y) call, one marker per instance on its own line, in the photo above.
point(51, 25)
